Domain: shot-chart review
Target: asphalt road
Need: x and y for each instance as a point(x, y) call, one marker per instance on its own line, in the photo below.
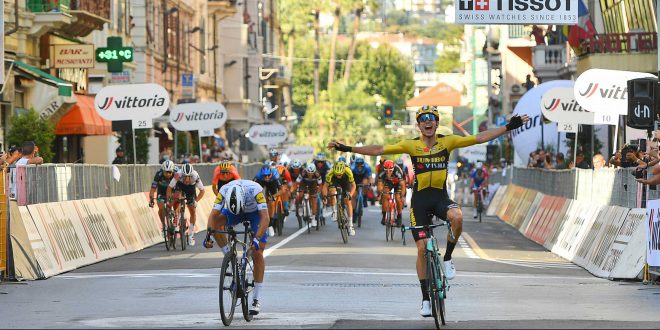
point(315, 281)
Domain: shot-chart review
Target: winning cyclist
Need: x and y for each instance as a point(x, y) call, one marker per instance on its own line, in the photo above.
point(223, 174)
point(341, 176)
point(309, 180)
point(161, 181)
point(391, 178)
point(430, 155)
point(478, 179)
point(238, 200)
point(269, 179)
point(187, 181)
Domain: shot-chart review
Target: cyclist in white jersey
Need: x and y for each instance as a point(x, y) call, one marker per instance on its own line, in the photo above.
point(186, 181)
point(236, 201)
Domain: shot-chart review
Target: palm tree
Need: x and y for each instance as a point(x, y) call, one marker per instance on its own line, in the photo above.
point(333, 43)
point(359, 7)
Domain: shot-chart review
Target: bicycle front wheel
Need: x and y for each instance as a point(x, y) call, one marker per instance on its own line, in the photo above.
point(343, 225)
point(228, 288)
point(183, 230)
point(247, 283)
point(435, 289)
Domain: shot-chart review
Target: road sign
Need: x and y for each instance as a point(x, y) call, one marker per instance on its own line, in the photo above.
point(567, 127)
point(500, 121)
point(188, 86)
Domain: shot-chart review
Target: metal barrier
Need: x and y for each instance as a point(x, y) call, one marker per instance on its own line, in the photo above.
point(4, 224)
point(606, 186)
point(61, 182)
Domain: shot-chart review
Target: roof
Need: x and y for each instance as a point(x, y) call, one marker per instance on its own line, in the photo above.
point(438, 95)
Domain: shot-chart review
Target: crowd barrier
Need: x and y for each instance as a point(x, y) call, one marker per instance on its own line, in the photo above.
point(52, 238)
point(606, 240)
point(49, 183)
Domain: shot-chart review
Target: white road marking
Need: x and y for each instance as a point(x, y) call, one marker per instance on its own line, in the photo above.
point(467, 249)
point(284, 241)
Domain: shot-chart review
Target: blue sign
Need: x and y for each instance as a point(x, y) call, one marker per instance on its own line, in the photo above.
point(500, 121)
point(187, 80)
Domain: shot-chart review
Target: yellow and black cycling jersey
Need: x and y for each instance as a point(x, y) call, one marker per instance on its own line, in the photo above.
point(430, 164)
point(332, 179)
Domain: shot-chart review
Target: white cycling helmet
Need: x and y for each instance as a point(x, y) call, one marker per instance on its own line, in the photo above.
point(311, 168)
point(479, 165)
point(234, 200)
point(296, 164)
point(187, 169)
point(167, 166)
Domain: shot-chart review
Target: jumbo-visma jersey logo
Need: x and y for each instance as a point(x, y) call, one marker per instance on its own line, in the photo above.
point(615, 92)
point(129, 102)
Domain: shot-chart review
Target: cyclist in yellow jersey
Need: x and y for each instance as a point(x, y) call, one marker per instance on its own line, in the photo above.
point(430, 155)
point(341, 176)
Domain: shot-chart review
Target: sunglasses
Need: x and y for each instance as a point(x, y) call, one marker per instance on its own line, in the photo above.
point(427, 117)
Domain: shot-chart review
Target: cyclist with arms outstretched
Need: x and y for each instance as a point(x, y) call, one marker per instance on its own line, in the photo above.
point(430, 155)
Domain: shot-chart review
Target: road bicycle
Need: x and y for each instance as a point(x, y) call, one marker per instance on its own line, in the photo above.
point(390, 217)
point(435, 270)
point(342, 218)
point(306, 210)
point(357, 212)
point(319, 211)
point(169, 232)
point(179, 220)
point(236, 273)
point(480, 201)
point(279, 215)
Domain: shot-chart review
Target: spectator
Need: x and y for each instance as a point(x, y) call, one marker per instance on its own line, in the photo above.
point(13, 155)
point(599, 161)
point(529, 84)
point(30, 154)
point(580, 162)
point(538, 35)
point(531, 162)
point(120, 158)
point(561, 162)
point(548, 165)
point(615, 160)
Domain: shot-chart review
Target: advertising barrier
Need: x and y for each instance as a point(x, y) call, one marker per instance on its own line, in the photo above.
point(100, 229)
point(607, 236)
point(25, 262)
point(631, 241)
point(496, 201)
point(128, 234)
point(530, 214)
point(653, 232)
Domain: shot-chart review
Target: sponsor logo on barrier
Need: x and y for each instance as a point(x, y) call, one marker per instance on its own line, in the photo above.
point(653, 232)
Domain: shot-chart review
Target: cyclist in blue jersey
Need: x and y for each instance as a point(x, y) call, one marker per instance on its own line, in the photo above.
point(362, 175)
point(478, 179)
point(269, 179)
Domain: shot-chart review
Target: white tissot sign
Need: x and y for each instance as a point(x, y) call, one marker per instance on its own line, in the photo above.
point(605, 91)
point(516, 12)
point(135, 101)
point(198, 116)
point(559, 105)
point(268, 135)
point(567, 127)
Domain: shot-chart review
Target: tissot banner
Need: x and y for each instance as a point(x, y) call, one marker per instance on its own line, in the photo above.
point(516, 12)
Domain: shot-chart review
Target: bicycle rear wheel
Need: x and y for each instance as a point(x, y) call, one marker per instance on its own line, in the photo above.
point(228, 288)
point(343, 224)
point(392, 223)
point(388, 226)
point(480, 208)
point(166, 236)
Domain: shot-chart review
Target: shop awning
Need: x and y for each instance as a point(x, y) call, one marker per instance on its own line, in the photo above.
point(65, 88)
point(82, 119)
point(438, 95)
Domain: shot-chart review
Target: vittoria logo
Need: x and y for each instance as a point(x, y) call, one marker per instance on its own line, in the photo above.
point(199, 116)
point(614, 92)
point(556, 103)
point(131, 102)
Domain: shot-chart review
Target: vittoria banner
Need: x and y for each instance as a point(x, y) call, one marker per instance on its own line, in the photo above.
point(135, 101)
point(198, 116)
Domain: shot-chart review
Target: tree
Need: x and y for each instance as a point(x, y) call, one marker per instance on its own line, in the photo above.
point(29, 126)
point(345, 113)
point(333, 43)
point(359, 7)
point(387, 73)
point(449, 61)
point(142, 143)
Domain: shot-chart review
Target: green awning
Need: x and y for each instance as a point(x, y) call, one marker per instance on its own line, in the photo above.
point(64, 88)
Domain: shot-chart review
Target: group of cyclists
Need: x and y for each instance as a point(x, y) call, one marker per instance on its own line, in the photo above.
point(238, 199)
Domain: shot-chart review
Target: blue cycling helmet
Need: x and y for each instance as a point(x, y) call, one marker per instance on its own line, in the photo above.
point(341, 159)
point(359, 161)
point(265, 171)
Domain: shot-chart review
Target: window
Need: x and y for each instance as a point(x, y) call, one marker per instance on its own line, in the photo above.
point(246, 79)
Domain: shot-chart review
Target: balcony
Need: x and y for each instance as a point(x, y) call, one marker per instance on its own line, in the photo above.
point(88, 16)
point(223, 8)
point(548, 60)
point(633, 51)
point(49, 15)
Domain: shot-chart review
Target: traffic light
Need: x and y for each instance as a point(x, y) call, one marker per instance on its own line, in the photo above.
point(388, 111)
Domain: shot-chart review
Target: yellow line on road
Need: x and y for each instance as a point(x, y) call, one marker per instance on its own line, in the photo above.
point(475, 247)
